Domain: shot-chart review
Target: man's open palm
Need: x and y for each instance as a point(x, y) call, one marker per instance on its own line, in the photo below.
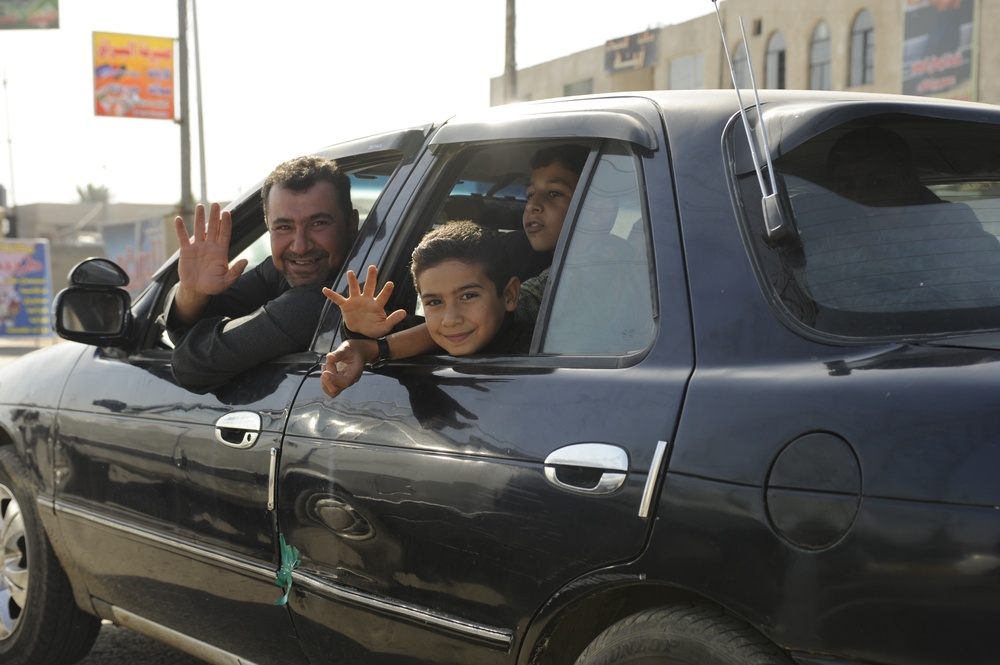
point(203, 266)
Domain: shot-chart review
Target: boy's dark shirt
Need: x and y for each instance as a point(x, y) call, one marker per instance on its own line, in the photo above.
point(257, 319)
point(513, 338)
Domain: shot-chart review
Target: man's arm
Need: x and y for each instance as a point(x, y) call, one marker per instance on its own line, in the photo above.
point(218, 348)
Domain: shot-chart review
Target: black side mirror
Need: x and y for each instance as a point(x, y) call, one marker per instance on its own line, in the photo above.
point(94, 309)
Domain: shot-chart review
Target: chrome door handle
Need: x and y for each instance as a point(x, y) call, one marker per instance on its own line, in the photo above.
point(239, 429)
point(590, 468)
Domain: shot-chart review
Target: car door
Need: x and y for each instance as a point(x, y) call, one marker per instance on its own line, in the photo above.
point(165, 498)
point(440, 502)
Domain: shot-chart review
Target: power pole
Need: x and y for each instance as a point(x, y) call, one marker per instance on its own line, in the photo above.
point(510, 66)
point(184, 209)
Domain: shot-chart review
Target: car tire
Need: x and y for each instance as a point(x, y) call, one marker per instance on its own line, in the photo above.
point(683, 634)
point(40, 623)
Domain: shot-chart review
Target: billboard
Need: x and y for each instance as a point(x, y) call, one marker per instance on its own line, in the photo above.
point(29, 14)
point(133, 76)
point(938, 48)
point(25, 288)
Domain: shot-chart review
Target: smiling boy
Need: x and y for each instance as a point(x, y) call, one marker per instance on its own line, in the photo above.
point(463, 278)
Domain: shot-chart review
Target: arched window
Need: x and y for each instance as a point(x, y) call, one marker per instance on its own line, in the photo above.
point(774, 62)
point(862, 50)
point(820, 60)
point(741, 66)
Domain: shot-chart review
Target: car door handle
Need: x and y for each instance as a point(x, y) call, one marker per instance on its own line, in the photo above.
point(239, 429)
point(591, 468)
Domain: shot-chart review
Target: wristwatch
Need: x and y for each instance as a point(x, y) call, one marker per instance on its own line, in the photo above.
point(383, 353)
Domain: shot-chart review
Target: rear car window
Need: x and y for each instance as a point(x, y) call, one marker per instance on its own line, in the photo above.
point(895, 223)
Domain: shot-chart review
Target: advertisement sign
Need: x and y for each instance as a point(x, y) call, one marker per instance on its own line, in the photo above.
point(938, 48)
point(25, 288)
point(138, 247)
point(630, 53)
point(133, 76)
point(29, 14)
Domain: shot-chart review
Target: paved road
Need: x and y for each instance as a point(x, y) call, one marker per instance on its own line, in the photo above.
point(115, 645)
point(121, 646)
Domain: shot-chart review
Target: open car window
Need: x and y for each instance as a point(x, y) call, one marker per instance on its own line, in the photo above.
point(895, 224)
point(369, 176)
point(598, 294)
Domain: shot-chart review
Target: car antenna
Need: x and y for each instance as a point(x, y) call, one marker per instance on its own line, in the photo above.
point(776, 214)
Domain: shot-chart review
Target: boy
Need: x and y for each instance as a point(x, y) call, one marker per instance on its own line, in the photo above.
point(462, 275)
point(555, 172)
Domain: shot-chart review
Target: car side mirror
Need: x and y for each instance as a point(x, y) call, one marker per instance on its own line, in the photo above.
point(98, 272)
point(94, 309)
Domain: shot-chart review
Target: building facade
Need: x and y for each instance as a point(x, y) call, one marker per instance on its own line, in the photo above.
point(926, 47)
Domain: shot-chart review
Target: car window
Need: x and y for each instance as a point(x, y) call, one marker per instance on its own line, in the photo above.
point(896, 229)
point(602, 301)
point(598, 290)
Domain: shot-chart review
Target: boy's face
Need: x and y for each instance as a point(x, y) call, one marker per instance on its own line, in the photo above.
point(462, 308)
point(550, 191)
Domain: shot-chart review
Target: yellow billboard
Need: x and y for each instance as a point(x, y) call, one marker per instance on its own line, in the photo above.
point(133, 76)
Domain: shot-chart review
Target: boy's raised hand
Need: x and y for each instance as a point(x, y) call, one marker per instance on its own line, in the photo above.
point(363, 311)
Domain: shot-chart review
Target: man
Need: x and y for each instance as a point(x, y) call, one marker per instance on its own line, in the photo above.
point(224, 322)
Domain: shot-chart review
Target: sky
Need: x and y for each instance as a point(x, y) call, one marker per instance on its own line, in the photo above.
point(278, 79)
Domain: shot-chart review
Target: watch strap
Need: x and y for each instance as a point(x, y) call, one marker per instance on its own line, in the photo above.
point(383, 353)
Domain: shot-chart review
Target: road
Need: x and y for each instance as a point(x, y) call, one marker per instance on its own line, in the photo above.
point(121, 646)
point(115, 645)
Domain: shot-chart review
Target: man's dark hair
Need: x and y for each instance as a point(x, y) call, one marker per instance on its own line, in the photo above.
point(467, 242)
point(571, 155)
point(301, 173)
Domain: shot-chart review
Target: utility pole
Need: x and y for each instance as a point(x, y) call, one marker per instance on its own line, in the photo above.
point(182, 77)
point(510, 66)
point(9, 202)
point(201, 117)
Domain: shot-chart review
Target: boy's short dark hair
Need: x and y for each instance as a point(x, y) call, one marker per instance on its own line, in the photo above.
point(571, 155)
point(301, 173)
point(467, 242)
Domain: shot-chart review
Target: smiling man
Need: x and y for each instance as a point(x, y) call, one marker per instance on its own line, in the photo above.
point(223, 321)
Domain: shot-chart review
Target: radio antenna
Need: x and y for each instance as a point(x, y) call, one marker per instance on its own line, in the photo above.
point(775, 216)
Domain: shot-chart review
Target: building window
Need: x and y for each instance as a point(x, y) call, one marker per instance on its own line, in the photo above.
point(774, 62)
point(820, 60)
point(862, 50)
point(686, 72)
point(742, 67)
point(579, 88)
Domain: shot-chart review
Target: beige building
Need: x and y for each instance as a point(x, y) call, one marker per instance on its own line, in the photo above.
point(863, 45)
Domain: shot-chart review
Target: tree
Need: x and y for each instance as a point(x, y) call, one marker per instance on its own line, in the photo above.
point(94, 194)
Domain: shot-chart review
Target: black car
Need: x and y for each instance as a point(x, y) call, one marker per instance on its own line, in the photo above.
point(759, 421)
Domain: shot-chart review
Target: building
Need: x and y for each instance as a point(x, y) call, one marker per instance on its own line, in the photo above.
point(926, 47)
point(138, 237)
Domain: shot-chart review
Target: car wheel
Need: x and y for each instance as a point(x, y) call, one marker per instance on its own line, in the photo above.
point(684, 634)
point(40, 624)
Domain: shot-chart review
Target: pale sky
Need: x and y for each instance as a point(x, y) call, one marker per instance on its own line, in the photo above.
point(278, 79)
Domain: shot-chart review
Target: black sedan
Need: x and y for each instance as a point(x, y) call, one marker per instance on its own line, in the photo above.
point(759, 421)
